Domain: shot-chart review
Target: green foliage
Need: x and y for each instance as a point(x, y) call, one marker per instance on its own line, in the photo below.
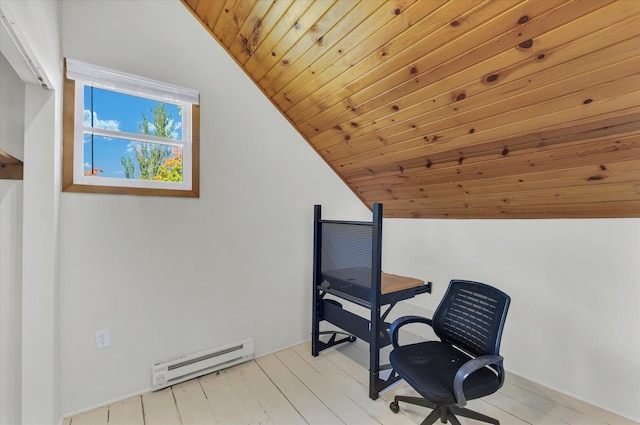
point(171, 170)
point(150, 158)
point(153, 160)
point(129, 169)
point(162, 122)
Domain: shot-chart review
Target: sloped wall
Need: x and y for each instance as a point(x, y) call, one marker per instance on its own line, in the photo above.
point(174, 276)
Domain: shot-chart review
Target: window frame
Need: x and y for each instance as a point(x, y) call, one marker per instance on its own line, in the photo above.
point(73, 178)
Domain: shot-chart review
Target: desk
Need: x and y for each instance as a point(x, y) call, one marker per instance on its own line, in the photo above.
point(347, 265)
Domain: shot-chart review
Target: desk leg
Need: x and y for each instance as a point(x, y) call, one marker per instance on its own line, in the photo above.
point(373, 384)
point(315, 322)
point(374, 351)
point(377, 384)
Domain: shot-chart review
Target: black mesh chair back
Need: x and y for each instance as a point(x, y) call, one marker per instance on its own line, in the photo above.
point(471, 316)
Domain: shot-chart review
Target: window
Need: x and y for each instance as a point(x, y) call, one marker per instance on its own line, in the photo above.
point(127, 134)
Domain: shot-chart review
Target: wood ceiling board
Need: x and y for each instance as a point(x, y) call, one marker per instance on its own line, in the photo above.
point(609, 192)
point(454, 99)
point(549, 158)
point(304, 34)
point(261, 49)
point(614, 172)
point(609, 167)
point(469, 110)
point(248, 37)
point(289, 33)
point(366, 68)
point(618, 209)
point(362, 47)
point(324, 35)
point(447, 109)
point(601, 130)
point(232, 17)
point(450, 107)
point(444, 59)
point(209, 12)
point(608, 97)
point(329, 47)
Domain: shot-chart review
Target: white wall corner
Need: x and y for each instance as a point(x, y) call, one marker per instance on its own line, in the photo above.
point(35, 29)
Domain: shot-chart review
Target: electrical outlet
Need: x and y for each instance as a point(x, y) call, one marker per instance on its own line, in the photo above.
point(103, 339)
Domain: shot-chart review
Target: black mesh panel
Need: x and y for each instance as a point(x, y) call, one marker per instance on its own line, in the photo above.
point(469, 319)
point(346, 252)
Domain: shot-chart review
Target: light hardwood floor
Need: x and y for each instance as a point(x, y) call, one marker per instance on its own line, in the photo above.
point(292, 387)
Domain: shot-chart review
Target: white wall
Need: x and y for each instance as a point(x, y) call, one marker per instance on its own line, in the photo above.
point(40, 362)
point(574, 320)
point(12, 141)
point(173, 276)
point(39, 23)
point(11, 110)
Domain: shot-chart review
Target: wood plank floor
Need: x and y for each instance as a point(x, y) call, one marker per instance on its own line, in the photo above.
point(292, 387)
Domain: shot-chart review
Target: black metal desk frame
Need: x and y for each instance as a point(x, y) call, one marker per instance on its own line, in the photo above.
point(373, 330)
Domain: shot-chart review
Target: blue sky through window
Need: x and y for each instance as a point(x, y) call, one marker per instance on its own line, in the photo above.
point(118, 112)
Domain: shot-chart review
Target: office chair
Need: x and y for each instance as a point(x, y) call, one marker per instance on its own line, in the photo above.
point(465, 364)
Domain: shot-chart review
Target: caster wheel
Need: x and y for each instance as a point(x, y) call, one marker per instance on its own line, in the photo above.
point(352, 338)
point(394, 407)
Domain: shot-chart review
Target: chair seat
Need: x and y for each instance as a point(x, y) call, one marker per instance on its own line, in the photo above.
point(430, 367)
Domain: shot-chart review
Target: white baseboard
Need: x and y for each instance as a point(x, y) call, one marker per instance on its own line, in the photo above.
point(106, 403)
point(569, 399)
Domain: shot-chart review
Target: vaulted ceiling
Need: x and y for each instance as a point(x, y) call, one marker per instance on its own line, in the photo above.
point(459, 109)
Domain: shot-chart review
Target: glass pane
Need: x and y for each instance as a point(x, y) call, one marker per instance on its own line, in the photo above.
point(122, 112)
point(125, 159)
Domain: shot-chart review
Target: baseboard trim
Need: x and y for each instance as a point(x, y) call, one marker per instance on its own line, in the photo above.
point(106, 403)
point(569, 399)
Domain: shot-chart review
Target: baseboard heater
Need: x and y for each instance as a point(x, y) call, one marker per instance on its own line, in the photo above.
point(201, 363)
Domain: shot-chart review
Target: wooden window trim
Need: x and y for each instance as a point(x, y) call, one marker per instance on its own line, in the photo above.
point(68, 147)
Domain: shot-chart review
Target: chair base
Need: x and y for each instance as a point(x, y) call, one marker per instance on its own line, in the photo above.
point(444, 413)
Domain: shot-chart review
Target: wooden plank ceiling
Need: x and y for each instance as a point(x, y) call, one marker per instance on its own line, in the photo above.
point(458, 109)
